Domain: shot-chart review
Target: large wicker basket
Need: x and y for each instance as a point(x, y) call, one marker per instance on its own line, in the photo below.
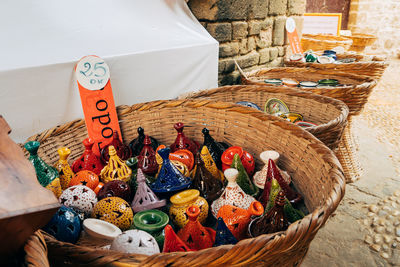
point(361, 41)
point(329, 114)
point(315, 171)
point(324, 42)
point(354, 95)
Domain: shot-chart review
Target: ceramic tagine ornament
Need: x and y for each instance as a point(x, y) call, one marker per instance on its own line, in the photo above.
point(65, 225)
point(237, 219)
point(86, 178)
point(169, 179)
point(147, 158)
point(79, 197)
point(182, 155)
point(145, 199)
point(132, 164)
point(181, 201)
point(210, 188)
point(116, 169)
point(272, 221)
point(260, 176)
point(243, 179)
point(195, 235)
point(210, 164)
point(64, 170)
point(232, 195)
point(115, 188)
point(172, 242)
point(136, 144)
point(245, 157)
point(135, 241)
point(123, 151)
point(223, 235)
point(46, 175)
point(114, 210)
point(152, 222)
point(88, 160)
point(183, 142)
point(216, 149)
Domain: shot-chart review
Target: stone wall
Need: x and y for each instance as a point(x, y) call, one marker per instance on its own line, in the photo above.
point(381, 18)
point(250, 31)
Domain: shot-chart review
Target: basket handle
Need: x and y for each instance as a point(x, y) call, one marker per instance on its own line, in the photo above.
point(240, 69)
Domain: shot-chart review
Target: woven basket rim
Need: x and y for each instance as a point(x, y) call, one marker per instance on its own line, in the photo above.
point(311, 223)
point(327, 38)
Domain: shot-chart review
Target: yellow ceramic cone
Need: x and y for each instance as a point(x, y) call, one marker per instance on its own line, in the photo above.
point(210, 164)
point(116, 169)
point(63, 167)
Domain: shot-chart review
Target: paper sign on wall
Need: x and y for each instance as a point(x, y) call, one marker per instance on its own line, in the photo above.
point(322, 23)
point(294, 39)
point(93, 78)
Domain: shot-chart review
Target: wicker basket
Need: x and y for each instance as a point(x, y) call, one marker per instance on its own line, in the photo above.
point(329, 114)
point(371, 66)
point(324, 42)
point(361, 41)
point(354, 95)
point(36, 251)
point(315, 171)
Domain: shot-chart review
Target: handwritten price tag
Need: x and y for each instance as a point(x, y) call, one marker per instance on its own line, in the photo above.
point(93, 78)
point(294, 39)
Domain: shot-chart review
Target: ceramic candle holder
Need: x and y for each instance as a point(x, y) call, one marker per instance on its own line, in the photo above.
point(152, 222)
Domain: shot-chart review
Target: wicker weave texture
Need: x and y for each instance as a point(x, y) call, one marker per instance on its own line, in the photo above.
point(329, 114)
point(361, 41)
point(314, 168)
point(324, 42)
point(36, 251)
point(355, 94)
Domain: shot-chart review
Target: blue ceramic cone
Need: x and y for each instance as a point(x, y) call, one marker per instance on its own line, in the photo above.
point(169, 178)
point(223, 236)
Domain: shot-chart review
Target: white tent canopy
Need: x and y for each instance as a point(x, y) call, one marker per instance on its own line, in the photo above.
point(156, 49)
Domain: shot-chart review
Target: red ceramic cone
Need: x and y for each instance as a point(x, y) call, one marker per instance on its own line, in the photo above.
point(183, 142)
point(123, 151)
point(172, 242)
point(267, 189)
point(195, 235)
point(88, 161)
point(147, 158)
point(273, 172)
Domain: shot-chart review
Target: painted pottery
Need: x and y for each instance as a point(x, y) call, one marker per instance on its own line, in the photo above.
point(136, 144)
point(215, 149)
point(172, 242)
point(223, 235)
point(85, 177)
point(132, 164)
point(182, 155)
point(147, 158)
point(248, 104)
point(275, 189)
point(152, 222)
point(260, 176)
point(248, 162)
point(243, 179)
point(210, 164)
point(169, 179)
point(275, 106)
point(181, 201)
point(116, 169)
point(98, 187)
point(227, 156)
point(210, 187)
point(135, 241)
point(182, 167)
point(64, 170)
point(114, 210)
point(292, 117)
point(232, 195)
point(46, 175)
point(123, 151)
point(88, 161)
point(145, 199)
point(101, 229)
point(195, 235)
point(237, 219)
point(79, 197)
point(272, 221)
point(65, 225)
point(183, 142)
point(116, 188)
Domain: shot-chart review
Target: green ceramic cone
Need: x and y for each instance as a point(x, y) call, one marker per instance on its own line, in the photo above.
point(275, 188)
point(243, 179)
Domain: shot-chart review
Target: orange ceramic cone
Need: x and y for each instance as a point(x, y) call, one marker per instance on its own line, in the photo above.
point(172, 242)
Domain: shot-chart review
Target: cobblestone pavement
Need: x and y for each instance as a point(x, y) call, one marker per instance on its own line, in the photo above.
point(365, 229)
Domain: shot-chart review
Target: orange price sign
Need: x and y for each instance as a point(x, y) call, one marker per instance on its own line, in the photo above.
point(294, 39)
point(93, 78)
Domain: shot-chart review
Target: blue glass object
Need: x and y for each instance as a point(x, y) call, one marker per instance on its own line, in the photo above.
point(65, 225)
point(248, 104)
point(169, 179)
point(223, 236)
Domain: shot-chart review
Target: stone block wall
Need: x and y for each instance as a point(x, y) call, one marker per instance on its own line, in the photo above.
point(250, 31)
point(381, 18)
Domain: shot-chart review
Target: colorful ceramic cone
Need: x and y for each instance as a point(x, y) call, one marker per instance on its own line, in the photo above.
point(147, 158)
point(169, 179)
point(223, 235)
point(64, 170)
point(243, 179)
point(46, 175)
point(195, 235)
point(260, 176)
point(183, 142)
point(123, 151)
point(145, 199)
point(136, 144)
point(210, 164)
point(116, 169)
point(88, 161)
point(215, 148)
point(172, 242)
